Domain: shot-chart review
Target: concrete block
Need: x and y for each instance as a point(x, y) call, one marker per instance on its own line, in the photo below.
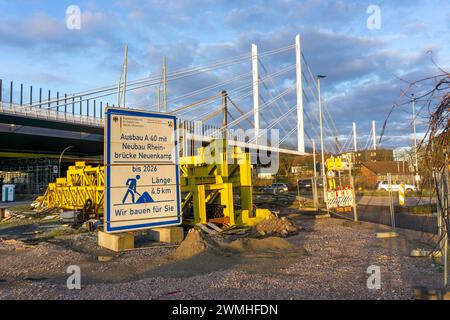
point(382, 235)
point(116, 241)
point(169, 234)
point(68, 215)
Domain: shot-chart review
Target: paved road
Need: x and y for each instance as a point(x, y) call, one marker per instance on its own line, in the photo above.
point(384, 201)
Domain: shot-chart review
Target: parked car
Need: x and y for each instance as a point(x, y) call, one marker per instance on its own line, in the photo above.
point(276, 188)
point(306, 184)
point(395, 185)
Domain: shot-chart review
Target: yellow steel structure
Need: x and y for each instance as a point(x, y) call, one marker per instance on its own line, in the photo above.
point(82, 183)
point(208, 182)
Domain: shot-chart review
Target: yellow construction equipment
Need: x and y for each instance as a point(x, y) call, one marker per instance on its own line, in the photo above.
point(208, 182)
point(83, 186)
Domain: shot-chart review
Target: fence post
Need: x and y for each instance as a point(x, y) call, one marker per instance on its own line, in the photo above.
point(21, 94)
point(57, 102)
point(11, 94)
point(352, 186)
point(49, 95)
point(65, 105)
point(31, 95)
point(391, 201)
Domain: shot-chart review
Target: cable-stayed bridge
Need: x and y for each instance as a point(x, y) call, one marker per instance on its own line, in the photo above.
point(251, 97)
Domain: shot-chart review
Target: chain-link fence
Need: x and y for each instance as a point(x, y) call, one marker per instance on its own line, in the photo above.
point(377, 199)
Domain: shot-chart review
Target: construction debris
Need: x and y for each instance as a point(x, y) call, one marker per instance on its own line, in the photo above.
point(383, 235)
point(206, 229)
point(51, 217)
point(13, 244)
point(213, 226)
point(13, 216)
point(92, 225)
point(104, 258)
point(273, 225)
point(425, 253)
point(421, 293)
point(6, 215)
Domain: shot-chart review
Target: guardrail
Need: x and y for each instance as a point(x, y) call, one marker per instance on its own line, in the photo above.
point(48, 114)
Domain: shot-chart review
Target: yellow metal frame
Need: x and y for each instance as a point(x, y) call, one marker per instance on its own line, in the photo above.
point(81, 184)
point(211, 177)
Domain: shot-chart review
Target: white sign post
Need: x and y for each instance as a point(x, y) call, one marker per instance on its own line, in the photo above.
point(142, 177)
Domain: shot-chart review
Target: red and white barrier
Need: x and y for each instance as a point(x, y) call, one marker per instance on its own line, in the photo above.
point(340, 198)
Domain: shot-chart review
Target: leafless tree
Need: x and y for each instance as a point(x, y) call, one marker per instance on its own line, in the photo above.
point(435, 144)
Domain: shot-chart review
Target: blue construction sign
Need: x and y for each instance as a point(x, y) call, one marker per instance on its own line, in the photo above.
point(142, 177)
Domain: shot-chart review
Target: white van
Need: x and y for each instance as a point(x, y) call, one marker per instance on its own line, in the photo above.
point(384, 185)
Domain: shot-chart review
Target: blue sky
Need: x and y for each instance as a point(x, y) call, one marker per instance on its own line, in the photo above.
point(362, 65)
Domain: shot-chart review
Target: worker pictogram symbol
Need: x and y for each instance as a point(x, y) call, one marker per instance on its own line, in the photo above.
point(132, 191)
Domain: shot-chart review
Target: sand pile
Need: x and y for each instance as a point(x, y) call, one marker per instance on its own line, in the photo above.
point(249, 244)
point(195, 243)
point(273, 225)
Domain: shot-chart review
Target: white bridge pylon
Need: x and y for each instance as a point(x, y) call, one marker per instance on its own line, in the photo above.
point(300, 125)
point(299, 90)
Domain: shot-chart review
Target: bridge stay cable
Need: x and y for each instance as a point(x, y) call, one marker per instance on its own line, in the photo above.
point(171, 76)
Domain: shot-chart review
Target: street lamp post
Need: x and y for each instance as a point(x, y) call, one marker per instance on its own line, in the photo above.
point(314, 184)
point(60, 158)
point(321, 141)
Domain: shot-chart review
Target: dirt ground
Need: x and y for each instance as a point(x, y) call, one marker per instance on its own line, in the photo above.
point(327, 259)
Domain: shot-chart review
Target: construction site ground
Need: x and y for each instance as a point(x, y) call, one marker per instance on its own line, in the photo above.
point(327, 259)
